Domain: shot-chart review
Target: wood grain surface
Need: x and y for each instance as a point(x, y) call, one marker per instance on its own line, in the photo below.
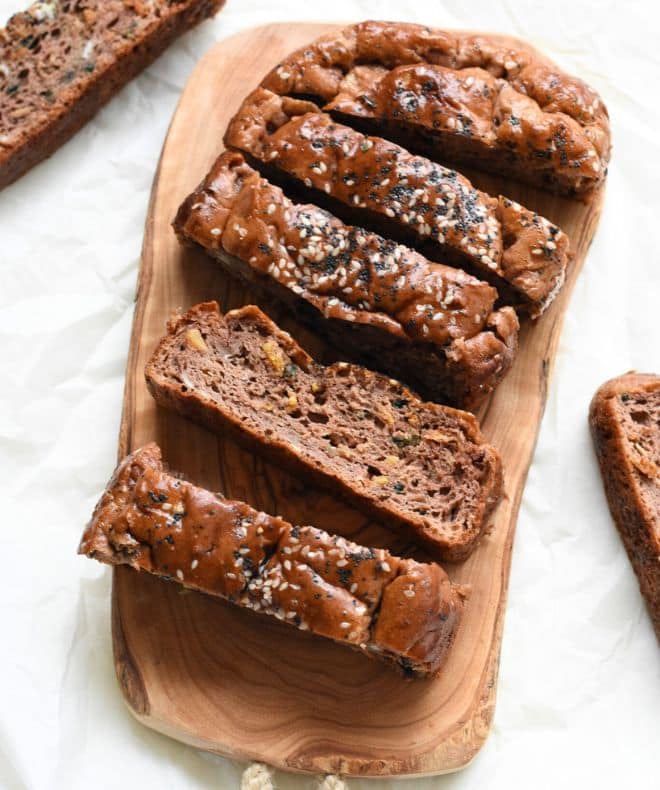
point(229, 680)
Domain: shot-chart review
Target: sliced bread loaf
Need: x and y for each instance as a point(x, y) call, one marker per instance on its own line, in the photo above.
point(372, 182)
point(418, 466)
point(61, 60)
point(625, 424)
point(432, 325)
point(400, 611)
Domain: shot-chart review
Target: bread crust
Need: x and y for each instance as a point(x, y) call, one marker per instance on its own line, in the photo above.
point(432, 325)
point(284, 442)
point(398, 610)
point(482, 99)
point(631, 471)
point(62, 91)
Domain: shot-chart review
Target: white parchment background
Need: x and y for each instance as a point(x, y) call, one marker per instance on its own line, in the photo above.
point(579, 689)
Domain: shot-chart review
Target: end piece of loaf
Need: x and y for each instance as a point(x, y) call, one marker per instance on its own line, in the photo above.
point(486, 100)
point(400, 611)
point(369, 181)
point(432, 325)
point(415, 466)
point(62, 60)
point(625, 425)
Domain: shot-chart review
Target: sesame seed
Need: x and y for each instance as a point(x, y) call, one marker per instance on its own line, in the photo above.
point(409, 593)
point(179, 574)
point(341, 563)
point(344, 625)
point(215, 231)
point(194, 564)
point(271, 208)
point(385, 566)
point(354, 587)
point(287, 565)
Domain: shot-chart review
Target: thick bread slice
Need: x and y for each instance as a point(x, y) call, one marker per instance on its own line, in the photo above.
point(418, 466)
point(60, 61)
point(480, 99)
point(370, 181)
point(625, 425)
point(431, 325)
point(398, 610)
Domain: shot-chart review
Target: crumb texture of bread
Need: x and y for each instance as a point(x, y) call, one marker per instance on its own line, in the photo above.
point(398, 610)
point(416, 466)
point(432, 325)
point(486, 100)
point(370, 181)
point(625, 424)
point(61, 60)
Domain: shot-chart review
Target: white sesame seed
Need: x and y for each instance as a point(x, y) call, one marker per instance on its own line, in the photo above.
point(409, 593)
point(194, 564)
point(344, 625)
point(287, 565)
point(179, 574)
point(271, 208)
point(385, 566)
point(215, 231)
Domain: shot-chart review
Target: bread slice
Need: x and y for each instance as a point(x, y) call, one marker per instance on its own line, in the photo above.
point(60, 61)
point(432, 325)
point(418, 466)
point(625, 424)
point(489, 101)
point(403, 612)
point(372, 182)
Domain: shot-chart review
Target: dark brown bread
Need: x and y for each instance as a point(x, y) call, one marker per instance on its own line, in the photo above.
point(625, 425)
point(398, 610)
point(485, 100)
point(432, 325)
point(372, 182)
point(60, 61)
point(418, 466)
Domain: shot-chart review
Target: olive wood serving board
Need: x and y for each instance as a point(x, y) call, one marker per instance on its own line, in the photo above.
point(232, 681)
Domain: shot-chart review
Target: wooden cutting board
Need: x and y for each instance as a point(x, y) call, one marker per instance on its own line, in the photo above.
point(234, 682)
